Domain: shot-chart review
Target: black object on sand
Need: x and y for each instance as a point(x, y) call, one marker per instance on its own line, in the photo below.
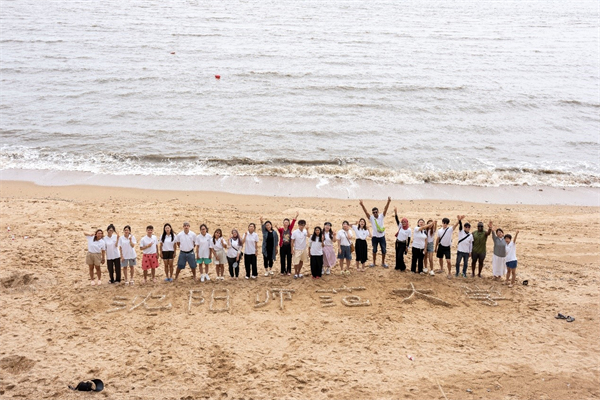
point(95, 385)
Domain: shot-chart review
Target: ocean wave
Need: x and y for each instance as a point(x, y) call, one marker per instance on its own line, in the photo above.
point(346, 168)
point(579, 103)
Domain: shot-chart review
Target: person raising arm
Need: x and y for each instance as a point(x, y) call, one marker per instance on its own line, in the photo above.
point(377, 224)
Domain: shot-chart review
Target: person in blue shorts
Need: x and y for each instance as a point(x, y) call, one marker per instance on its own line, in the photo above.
point(185, 240)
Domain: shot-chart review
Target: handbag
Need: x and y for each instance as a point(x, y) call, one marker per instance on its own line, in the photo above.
point(351, 243)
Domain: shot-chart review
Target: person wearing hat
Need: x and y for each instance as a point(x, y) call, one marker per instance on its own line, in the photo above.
point(479, 244)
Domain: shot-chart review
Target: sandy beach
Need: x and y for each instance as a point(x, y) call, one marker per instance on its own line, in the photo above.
point(56, 330)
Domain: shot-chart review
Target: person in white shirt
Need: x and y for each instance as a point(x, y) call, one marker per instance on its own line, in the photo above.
point(511, 258)
point(219, 247)
point(185, 240)
point(419, 246)
point(113, 257)
point(431, 231)
point(96, 254)
point(344, 238)
point(362, 233)
point(127, 244)
point(377, 224)
point(149, 247)
point(234, 251)
point(166, 250)
point(443, 241)
point(464, 247)
point(300, 255)
point(316, 253)
point(250, 241)
point(402, 241)
point(329, 256)
point(204, 245)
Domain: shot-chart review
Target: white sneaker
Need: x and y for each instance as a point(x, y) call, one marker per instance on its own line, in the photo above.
point(246, 277)
point(207, 278)
point(267, 273)
point(328, 271)
point(425, 270)
point(270, 272)
point(202, 278)
point(431, 273)
point(253, 277)
point(300, 276)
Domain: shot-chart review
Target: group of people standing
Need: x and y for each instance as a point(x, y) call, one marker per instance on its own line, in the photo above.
point(297, 247)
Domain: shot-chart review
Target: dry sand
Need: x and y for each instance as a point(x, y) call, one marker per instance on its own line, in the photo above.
point(55, 329)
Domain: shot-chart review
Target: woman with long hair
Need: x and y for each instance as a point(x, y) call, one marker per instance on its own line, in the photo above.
point(316, 253)
point(329, 256)
point(428, 259)
point(269, 245)
point(234, 251)
point(219, 247)
point(362, 233)
point(166, 250)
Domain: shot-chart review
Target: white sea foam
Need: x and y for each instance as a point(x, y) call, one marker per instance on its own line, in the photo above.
point(118, 164)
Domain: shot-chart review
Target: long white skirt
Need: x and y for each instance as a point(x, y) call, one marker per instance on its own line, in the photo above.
point(498, 265)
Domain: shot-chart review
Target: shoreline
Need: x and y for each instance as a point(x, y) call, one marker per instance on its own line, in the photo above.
point(341, 189)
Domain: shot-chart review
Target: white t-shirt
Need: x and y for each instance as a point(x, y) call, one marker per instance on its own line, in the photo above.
point(112, 251)
point(430, 236)
point(362, 234)
point(169, 244)
point(376, 233)
point(186, 242)
point(419, 238)
point(218, 244)
point(95, 246)
point(234, 247)
point(250, 242)
point(467, 244)
point(316, 248)
point(204, 244)
point(327, 240)
point(299, 238)
point(126, 249)
point(447, 239)
point(145, 241)
point(403, 234)
point(511, 252)
point(344, 237)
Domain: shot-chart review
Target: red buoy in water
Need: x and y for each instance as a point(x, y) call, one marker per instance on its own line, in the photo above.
point(218, 76)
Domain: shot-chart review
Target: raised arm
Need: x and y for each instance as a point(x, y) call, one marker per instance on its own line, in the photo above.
point(364, 209)
point(293, 223)
point(387, 205)
point(396, 215)
point(515, 238)
point(458, 220)
point(491, 228)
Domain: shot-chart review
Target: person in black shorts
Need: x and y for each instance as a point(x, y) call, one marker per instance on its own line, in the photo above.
point(443, 242)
